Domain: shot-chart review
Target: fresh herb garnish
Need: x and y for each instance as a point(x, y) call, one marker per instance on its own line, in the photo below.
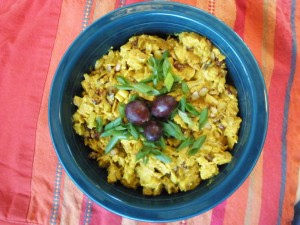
point(113, 124)
point(186, 143)
point(197, 145)
point(113, 141)
point(171, 129)
point(185, 118)
point(124, 84)
point(203, 117)
point(121, 109)
point(185, 88)
point(99, 124)
point(147, 150)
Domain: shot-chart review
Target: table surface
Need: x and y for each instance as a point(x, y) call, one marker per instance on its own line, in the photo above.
point(34, 187)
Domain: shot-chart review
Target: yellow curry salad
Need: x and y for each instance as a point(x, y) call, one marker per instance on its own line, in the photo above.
point(158, 113)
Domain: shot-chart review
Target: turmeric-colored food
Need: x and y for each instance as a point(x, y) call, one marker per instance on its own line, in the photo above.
point(197, 135)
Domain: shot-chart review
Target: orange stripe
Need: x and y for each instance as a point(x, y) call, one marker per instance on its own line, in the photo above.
point(71, 204)
point(293, 136)
point(253, 35)
point(236, 206)
point(101, 8)
point(267, 65)
point(226, 11)
point(44, 152)
point(189, 2)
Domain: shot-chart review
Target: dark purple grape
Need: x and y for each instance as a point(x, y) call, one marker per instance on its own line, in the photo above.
point(137, 112)
point(152, 131)
point(163, 106)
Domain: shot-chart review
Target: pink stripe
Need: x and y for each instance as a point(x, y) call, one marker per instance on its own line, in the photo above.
point(102, 216)
point(218, 214)
point(272, 151)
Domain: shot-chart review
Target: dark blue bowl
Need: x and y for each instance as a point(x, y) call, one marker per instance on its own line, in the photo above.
point(114, 29)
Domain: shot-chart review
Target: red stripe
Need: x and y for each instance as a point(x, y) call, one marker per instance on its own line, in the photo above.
point(28, 31)
point(239, 25)
point(272, 151)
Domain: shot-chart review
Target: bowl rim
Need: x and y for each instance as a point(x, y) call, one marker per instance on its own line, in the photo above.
point(112, 204)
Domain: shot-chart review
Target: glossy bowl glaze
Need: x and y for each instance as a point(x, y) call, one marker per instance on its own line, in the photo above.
point(162, 19)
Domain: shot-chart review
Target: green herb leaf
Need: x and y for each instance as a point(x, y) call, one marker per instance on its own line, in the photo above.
point(162, 143)
point(150, 144)
point(185, 118)
point(168, 82)
point(203, 117)
point(121, 109)
point(113, 132)
point(111, 144)
point(191, 109)
point(124, 87)
point(186, 143)
point(163, 157)
point(142, 153)
point(197, 145)
point(182, 103)
point(172, 129)
point(185, 88)
point(166, 67)
point(122, 80)
point(133, 131)
point(113, 124)
point(132, 98)
point(99, 124)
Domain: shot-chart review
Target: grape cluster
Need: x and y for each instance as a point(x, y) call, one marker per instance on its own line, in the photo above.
point(141, 113)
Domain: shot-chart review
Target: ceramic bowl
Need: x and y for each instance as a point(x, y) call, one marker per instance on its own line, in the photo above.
point(114, 29)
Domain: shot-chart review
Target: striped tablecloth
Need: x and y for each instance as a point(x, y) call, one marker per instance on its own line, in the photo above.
point(34, 189)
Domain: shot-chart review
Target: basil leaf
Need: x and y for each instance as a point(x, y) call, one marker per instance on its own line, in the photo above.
point(197, 145)
point(185, 118)
point(203, 117)
point(185, 143)
point(168, 82)
point(99, 124)
point(113, 124)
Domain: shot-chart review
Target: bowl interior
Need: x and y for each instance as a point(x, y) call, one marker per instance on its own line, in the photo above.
point(114, 30)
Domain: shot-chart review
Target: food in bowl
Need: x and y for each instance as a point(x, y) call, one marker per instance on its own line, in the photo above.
point(158, 113)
